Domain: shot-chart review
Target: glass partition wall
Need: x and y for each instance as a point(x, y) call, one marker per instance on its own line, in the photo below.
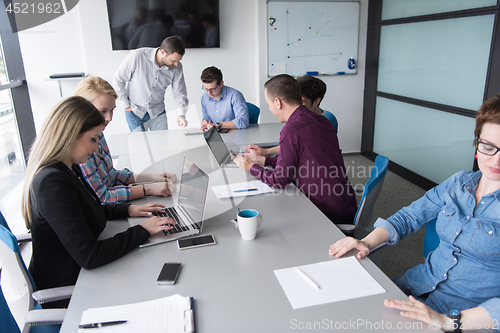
point(428, 71)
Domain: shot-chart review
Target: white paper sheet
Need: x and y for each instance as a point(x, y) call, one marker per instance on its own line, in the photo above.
point(166, 314)
point(227, 191)
point(339, 280)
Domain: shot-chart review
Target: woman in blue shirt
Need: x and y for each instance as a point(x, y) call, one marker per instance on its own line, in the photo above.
point(462, 273)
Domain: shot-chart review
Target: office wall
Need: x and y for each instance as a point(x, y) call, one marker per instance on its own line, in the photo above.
point(80, 41)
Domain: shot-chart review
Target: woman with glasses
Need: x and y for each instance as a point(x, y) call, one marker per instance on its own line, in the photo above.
point(112, 185)
point(459, 283)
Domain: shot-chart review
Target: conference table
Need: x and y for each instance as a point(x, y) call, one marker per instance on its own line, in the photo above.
point(232, 282)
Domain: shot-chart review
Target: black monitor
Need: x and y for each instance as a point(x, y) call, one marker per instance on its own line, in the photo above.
point(146, 23)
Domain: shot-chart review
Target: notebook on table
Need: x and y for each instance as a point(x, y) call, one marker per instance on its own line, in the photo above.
point(190, 207)
point(219, 149)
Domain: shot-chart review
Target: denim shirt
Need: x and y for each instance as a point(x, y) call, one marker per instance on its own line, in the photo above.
point(464, 270)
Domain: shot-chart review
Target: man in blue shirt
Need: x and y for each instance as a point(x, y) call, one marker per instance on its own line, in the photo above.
point(222, 106)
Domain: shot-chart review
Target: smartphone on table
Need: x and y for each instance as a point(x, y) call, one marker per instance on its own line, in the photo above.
point(169, 273)
point(198, 241)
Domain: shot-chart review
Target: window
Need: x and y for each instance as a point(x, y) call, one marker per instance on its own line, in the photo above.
point(430, 65)
point(17, 129)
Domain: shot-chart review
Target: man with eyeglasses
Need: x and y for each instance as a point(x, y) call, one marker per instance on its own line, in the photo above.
point(222, 106)
point(143, 78)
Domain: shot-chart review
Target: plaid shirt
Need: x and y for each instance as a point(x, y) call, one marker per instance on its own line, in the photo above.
point(109, 184)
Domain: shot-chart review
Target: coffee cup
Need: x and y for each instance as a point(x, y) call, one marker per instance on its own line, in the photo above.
point(248, 222)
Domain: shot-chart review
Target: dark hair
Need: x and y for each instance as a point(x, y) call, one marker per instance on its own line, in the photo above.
point(173, 44)
point(284, 87)
point(489, 112)
point(211, 74)
point(312, 88)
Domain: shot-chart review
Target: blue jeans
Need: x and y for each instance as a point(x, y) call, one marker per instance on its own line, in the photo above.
point(137, 124)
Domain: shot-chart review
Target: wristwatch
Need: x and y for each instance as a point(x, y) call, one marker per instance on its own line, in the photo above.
point(218, 125)
point(455, 316)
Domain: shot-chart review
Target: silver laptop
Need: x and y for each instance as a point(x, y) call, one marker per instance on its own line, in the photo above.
point(221, 153)
point(190, 207)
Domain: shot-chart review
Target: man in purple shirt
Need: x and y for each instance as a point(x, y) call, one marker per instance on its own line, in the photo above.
point(309, 153)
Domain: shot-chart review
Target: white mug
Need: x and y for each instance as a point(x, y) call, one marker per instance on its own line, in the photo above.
point(248, 222)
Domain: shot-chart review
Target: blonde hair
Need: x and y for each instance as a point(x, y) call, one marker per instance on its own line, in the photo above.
point(61, 128)
point(93, 86)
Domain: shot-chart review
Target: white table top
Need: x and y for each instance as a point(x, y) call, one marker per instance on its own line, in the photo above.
point(233, 282)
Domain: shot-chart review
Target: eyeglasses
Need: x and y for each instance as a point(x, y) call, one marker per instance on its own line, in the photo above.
point(210, 89)
point(486, 148)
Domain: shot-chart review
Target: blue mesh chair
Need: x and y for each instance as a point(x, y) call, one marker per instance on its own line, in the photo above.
point(253, 113)
point(364, 218)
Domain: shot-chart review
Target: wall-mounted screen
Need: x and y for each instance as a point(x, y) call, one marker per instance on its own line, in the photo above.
point(146, 23)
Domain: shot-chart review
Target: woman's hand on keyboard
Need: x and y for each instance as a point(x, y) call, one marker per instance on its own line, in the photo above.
point(157, 224)
point(144, 210)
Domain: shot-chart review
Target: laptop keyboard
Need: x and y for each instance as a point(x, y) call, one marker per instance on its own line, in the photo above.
point(171, 212)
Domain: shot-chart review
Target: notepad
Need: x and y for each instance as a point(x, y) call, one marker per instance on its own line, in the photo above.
point(241, 189)
point(171, 314)
point(338, 280)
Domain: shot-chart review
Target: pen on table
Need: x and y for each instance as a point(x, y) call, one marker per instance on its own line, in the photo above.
point(308, 279)
point(103, 324)
point(245, 190)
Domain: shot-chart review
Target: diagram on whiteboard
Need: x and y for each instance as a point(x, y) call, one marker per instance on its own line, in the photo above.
point(313, 36)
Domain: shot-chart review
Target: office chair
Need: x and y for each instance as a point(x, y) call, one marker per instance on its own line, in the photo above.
point(9, 324)
point(18, 286)
point(22, 238)
point(253, 113)
point(364, 218)
point(331, 117)
point(431, 238)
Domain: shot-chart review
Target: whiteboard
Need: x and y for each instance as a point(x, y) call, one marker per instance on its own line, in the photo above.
point(312, 36)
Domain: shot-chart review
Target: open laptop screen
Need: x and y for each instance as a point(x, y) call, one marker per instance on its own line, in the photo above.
point(217, 145)
point(193, 191)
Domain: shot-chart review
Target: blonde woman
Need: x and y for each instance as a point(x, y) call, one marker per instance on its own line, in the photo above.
point(111, 185)
point(61, 209)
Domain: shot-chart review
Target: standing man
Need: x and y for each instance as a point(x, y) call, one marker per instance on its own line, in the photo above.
point(309, 155)
point(222, 106)
point(142, 79)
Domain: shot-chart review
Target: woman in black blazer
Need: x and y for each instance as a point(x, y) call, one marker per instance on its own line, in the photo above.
point(63, 212)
